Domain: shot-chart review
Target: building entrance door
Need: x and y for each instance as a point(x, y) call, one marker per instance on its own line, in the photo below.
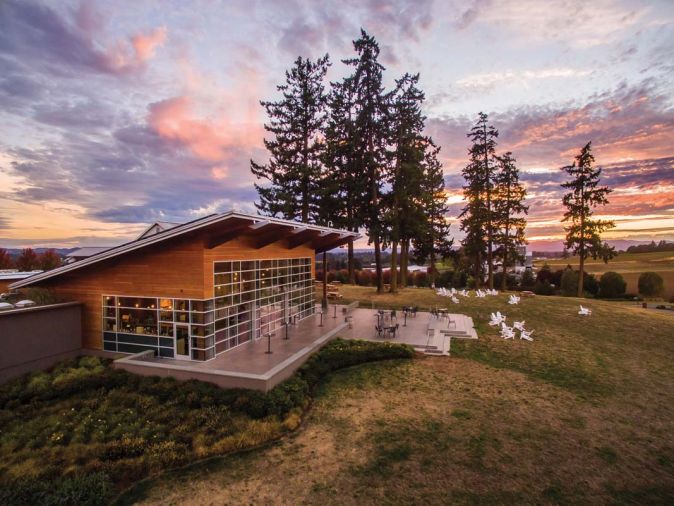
point(182, 333)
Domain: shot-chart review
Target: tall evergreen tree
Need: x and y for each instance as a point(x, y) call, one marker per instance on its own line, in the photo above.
point(407, 144)
point(478, 216)
point(342, 187)
point(431, 239)
point(296, 123)
point(509, 209)
point(583, 234)
point(370, 134)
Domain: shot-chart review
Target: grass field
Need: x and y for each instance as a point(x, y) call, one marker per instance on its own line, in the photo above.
point(629, 265)
point(584, 414)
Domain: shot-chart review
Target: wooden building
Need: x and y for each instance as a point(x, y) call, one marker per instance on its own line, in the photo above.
point(195, 290)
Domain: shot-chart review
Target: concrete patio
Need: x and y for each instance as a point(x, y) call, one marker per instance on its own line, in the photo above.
point(250, 366)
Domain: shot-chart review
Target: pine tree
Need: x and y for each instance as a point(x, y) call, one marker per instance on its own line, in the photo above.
point(407, 124)
point(583, 234)
point(478, 215)
point(370, 134)
point(509, 209)
point(432, 239)
point(342, 188)
point(296, 122)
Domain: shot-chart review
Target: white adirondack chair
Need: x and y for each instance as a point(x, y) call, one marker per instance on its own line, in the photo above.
point(526, 334)
point(507, 332)
point(455, 300)
point(514, 299)
point(583, 311)
point(519, 325)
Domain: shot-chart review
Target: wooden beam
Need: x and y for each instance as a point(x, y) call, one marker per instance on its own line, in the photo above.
point(259, 224)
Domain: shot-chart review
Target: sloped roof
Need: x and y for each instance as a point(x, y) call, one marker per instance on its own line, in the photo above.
point(330, 238)
point(86, 251)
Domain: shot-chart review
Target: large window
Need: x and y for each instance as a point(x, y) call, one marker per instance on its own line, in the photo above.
point(255, 297)
point(252, 298)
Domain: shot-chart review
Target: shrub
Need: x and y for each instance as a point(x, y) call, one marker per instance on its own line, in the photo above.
point(421, 279)
point(459, 279)
point(88, 490)
point(590, 283)
point(651, 284)
point(611, 285)
point(42, 296)
point(511, 280)
point(444, 279)
point(528, 280)
point(543, 288)
point(569, 283)
point(544, 274)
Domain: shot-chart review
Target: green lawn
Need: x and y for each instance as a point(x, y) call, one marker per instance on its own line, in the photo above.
point(583, 415)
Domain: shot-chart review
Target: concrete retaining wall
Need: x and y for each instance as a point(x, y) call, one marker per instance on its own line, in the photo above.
point(35, 338)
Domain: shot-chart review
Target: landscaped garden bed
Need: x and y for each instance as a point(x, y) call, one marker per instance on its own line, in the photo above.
point(83, 430)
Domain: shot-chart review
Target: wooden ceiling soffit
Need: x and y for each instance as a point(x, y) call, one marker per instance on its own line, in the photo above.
point(233, 232)
point(302, 237)
point(331, 242)
point(272, 235)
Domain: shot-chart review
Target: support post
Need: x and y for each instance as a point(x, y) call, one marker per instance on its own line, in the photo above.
point(321, 324)
point(335, 315)
point(269, 352)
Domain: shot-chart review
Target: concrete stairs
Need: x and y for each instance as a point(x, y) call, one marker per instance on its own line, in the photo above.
point(442, 330)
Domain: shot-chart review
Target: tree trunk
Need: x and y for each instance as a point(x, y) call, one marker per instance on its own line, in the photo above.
point(433, 271)
point(504, 285)
point(394, 268)
point(324, 301)
point(581, 262)
point(404, 258)
point(377, 261)
point(351, 266)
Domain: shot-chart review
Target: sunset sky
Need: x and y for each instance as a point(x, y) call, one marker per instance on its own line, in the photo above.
point(116, 114)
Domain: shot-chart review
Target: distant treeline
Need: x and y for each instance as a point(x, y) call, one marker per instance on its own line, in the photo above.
point(651, 248)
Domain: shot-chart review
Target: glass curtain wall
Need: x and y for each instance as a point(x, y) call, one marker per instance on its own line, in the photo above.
point(252, 298)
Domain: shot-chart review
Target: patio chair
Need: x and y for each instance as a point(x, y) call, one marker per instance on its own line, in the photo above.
point(379, 329)
point(507, 332)
point(526, 335)
point(584, 311)
point(455, 300)
point(519, 325)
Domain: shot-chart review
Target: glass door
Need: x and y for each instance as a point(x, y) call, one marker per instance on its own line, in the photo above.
point(182, 333)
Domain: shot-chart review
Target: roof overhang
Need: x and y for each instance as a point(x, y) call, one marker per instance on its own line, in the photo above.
point(259, 230)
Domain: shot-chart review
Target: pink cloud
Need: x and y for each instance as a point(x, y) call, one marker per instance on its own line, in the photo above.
point(133, 54)
point(145, 45)
point(217, 140)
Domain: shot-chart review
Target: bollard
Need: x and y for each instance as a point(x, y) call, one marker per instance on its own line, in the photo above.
point(335, 315)
point(321, 324)
point(269, 352)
